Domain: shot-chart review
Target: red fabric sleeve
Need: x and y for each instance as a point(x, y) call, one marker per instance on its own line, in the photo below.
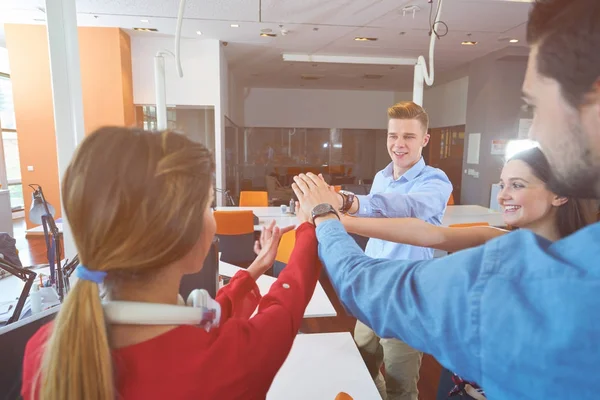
point(239, 297)
point(32, 360)
point(264, 341)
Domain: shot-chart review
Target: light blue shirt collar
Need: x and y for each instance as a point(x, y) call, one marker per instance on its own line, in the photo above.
point(409, 175)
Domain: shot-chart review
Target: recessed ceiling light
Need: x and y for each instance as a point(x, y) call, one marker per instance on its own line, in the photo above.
point(235, 25)
point(514, 40)
point(469, 43)
point(365, 39)
point(145, 21)
point(146, 29)
point(198, 33)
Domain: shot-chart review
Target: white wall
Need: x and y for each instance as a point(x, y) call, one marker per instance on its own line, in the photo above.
point(304, 108)
point(446, 104)
point(200, 84)
point(402, 96)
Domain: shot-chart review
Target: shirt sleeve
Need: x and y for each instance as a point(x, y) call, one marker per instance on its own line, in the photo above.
point(239, 298)
point(424, 202)
point(264, 341)
point(431, 305)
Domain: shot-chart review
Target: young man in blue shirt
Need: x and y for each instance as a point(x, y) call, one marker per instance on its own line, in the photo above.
point(405, 188)
point(519, 315)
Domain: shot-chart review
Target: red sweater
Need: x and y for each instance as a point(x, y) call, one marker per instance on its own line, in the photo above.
point(238, 360)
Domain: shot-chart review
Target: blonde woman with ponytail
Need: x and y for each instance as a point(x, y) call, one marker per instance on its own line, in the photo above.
point(138, 204)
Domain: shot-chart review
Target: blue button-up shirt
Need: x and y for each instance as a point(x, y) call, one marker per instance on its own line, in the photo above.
point(519, 315)
point(422, 192)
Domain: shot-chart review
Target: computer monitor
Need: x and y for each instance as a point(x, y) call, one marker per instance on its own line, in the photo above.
point(13, 339)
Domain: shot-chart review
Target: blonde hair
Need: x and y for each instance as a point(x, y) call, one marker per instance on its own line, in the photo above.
point(135, 201)
point(409, 110)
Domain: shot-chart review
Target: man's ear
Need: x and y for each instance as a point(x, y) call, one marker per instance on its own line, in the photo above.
point(559, 201)
point(426, 139)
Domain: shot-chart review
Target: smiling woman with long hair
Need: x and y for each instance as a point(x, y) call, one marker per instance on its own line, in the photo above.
point(527, 203)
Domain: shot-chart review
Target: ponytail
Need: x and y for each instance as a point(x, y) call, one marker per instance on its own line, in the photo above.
point(77, 362)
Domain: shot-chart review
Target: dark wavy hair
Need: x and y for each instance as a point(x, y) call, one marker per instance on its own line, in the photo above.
point(575, 213)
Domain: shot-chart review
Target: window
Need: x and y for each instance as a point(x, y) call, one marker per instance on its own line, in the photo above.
point(10, 143)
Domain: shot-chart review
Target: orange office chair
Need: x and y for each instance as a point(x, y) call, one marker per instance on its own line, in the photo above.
point(337, 188)
point(284, 252)
point(254, 199)
point(343, 396)
point(235, 230)
point(451, 200)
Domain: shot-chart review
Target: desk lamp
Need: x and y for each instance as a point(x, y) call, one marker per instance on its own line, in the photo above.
point(26, 276)
point(42, 213)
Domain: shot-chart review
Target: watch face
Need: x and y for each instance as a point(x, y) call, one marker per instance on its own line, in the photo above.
point(322, 209)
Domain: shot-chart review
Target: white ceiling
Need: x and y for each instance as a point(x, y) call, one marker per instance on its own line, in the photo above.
point(325, 27)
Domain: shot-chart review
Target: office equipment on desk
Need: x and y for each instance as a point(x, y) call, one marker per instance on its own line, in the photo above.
point(13, 339)
point(319, 305)
point(320, 366)
point(207, 278)
point(42, 212)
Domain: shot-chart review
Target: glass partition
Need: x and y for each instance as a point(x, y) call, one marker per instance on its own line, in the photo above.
point(197, 122)
point(343, 156)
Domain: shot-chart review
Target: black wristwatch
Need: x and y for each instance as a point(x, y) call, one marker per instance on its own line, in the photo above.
point(322, 210)
point(348, 200)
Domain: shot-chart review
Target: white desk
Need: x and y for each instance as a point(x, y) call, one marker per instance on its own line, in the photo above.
point(319, 305)
point(266, 215)
point(472, 214)
point(320, 366)
point(454, 215)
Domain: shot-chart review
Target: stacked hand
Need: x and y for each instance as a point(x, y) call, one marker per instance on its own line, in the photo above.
point(312, 190)
point(266, 249)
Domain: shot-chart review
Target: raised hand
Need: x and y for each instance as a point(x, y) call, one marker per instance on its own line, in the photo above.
point(266, 248)
point(312, 190)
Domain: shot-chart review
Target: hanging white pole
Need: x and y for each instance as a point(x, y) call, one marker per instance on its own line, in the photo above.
point(418, 85)
point(161, 92)
point(421, 73)
point(65, 74)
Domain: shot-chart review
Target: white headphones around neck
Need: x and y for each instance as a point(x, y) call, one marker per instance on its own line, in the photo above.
point(200, 309)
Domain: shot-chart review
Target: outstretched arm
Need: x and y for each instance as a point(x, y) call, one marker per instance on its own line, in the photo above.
point(416, 232)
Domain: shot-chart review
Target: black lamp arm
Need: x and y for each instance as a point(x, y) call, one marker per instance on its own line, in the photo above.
point(26, 276)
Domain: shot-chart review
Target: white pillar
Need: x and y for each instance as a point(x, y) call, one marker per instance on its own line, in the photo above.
point(161, 92)
point(418, 84)
point(66, 90)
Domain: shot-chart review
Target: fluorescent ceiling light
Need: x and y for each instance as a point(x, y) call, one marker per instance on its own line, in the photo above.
point(349, 59)
point(514, 40)
point(145, 20)
point(469, 43)
point(198, 32)
point(235, 25)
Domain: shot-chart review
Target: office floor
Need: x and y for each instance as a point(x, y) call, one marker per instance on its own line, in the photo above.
point(33, 251)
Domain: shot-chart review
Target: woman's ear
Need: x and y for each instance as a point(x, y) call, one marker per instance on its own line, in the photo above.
point(559, 201)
